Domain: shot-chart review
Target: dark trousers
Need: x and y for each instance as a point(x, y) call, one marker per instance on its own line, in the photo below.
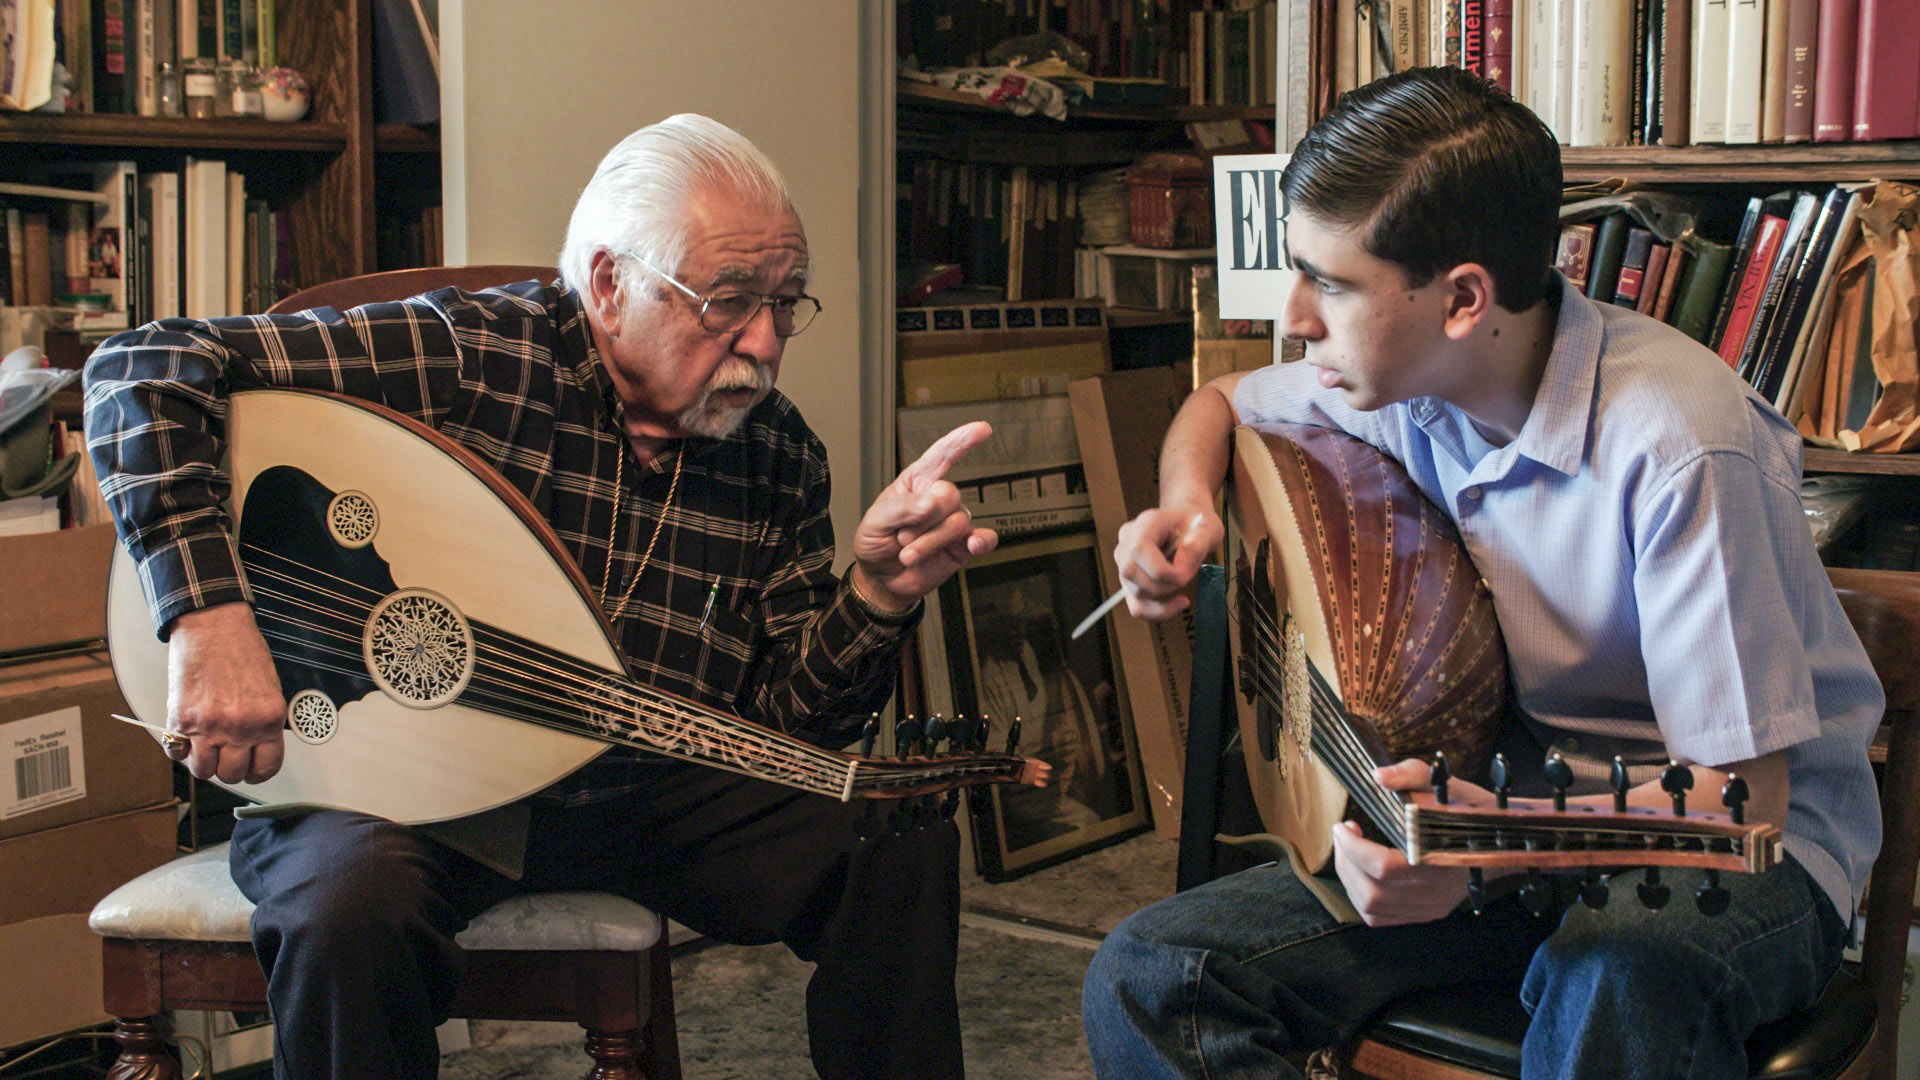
point(355, 917)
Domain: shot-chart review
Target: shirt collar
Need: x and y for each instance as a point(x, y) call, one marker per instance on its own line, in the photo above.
point(1560, 423)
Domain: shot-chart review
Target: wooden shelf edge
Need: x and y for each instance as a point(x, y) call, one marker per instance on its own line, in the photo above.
point(1808, 162)
point(914, 92)
point(405, 139)
point(168, 132)
point(1816, 459)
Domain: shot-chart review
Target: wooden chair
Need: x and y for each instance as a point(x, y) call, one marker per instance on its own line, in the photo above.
point(177, 936)
point(1852, 1032)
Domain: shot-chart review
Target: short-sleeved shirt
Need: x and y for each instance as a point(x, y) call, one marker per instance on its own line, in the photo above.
point(1651, 569)
point(738, 607)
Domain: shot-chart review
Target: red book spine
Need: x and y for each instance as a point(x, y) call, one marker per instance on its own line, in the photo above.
point(1655, 279)
point(1834, 58)
point(1473, 36)
point(1886, 89)
point(1497, 47)
point(1753, 283)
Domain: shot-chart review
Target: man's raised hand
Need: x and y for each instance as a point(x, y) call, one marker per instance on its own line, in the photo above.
point(917, 533)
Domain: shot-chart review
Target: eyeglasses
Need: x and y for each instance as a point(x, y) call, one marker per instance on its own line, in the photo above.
point(730, 310)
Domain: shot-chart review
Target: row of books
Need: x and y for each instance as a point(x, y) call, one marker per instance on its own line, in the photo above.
point(1766, 300)
point(123, 247)
point(1232, 55)
point(1672, 72)
point(112, 50)
point(1010, 228)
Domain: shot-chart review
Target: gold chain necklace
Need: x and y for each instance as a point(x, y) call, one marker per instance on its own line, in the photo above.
point(613, 528)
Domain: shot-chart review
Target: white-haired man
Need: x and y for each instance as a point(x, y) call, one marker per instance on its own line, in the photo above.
point(632, 402)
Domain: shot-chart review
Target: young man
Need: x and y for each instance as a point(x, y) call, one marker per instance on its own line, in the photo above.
point(1635, 509)
point(632, 402)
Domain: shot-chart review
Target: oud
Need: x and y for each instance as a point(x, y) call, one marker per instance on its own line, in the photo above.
point(1366, 637)
point(439, 652)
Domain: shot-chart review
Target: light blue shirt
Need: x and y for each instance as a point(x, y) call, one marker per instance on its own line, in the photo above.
point(1654, 578)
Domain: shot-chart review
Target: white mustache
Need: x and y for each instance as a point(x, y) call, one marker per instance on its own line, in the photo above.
point(754, 377)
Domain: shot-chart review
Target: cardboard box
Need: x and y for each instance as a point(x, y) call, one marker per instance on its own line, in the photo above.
point(55, 584)
point(1121, 420)
point(63, 758)
point(49, 881)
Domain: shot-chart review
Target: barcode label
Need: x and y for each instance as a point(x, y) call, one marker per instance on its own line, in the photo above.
point(37, 774)
point(45, 759)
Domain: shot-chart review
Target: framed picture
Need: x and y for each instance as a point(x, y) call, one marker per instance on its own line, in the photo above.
point(1004, 621)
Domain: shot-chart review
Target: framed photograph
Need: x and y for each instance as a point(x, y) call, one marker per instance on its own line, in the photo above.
point(1004, 621)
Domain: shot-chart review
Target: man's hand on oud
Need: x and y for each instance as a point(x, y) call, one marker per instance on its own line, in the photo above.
point(224, 696)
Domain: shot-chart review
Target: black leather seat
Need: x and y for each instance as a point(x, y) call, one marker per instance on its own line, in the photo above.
point(1480, 1029)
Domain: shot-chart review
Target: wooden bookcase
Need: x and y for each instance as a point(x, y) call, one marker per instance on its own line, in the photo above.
point(321, 171)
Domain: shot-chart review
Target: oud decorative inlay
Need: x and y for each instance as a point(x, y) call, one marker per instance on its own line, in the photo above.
point(352, 519)
point(312, 716)
point(418, 648)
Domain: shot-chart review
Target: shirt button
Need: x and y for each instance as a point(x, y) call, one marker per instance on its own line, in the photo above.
point(1472, 493)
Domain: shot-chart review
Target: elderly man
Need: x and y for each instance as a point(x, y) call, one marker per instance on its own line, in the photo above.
point(632, 402)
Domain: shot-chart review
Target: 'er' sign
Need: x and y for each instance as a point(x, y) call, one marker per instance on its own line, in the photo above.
point(1248, 236)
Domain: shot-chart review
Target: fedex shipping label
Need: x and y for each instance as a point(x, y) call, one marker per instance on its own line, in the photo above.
point(41, 762)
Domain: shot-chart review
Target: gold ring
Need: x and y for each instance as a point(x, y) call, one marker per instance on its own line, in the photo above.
point(170, 741)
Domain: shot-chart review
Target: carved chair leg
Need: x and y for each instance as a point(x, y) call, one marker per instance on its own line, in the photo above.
point(614, 1054)
point(144, 1053)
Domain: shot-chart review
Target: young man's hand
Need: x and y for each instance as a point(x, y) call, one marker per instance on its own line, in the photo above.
point(1381, 885)
point(1158, 554)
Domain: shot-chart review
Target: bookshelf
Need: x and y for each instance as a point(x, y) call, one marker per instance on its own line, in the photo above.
point(324, 172)
point(1809, 163)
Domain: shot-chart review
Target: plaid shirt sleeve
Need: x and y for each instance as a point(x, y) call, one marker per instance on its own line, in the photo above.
point(830, 661)
point(156, 404)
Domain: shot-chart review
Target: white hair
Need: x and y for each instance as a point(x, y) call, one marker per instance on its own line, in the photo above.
point(636, 203)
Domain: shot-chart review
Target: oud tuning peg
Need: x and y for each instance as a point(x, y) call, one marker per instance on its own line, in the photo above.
point(1734, 797)
point(1675, 779)
point(1013, 737)
point(1653, 892)
point(1712, 897)
point(1620, 783)
point(1593, 890)
point(982, 728)
point(936, 731)
point(868, 733)
point(960, 734)
point(1536, 896)
point(1502, 776)
point(1560, 775)
point(1477, 889)
point(1441, 774)
point(906, 733)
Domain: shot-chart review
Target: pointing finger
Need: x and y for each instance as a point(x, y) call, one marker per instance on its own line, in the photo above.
point(944, 453)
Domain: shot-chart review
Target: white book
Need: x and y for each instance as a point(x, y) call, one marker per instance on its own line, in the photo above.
point(1746, 51)
point(1560, 119)
point(1294, 78)
point(1535, 25)
point(1602, 73)
point(1708, 121)
point(163, 193)
point(236, 302)
point(110, 246)
point(142, 47)
point(204, 200)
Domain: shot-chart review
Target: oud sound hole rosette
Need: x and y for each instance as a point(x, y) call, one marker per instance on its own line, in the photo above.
point(418, 648)
point(312, 716)
point(352, 519)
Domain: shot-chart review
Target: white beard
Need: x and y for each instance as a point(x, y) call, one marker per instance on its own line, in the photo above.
point(709, 418)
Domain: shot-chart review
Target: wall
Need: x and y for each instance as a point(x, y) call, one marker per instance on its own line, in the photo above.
point(533, 94)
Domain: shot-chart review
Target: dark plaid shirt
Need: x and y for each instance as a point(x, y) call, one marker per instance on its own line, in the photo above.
point(512, 374)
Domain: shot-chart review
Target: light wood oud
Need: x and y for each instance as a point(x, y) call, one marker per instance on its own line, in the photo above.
point(1365, 637)
point(440, 653)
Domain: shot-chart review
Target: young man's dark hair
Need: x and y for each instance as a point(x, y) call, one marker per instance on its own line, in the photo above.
point(1442, 168)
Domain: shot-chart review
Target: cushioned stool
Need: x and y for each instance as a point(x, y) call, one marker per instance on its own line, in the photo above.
point(176, 938)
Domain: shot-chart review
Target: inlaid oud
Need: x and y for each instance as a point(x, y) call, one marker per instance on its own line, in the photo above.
point(439, 652)
point(1365, 637)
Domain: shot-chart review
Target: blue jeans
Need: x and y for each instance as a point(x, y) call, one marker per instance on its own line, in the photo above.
point(1227, 979)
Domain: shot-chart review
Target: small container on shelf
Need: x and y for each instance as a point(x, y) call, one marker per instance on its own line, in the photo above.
point(1170, 201)
point(167, 90)
point(238, 90)
point(199, 87)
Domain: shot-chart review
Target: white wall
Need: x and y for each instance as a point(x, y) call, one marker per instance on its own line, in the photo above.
point(534, 93)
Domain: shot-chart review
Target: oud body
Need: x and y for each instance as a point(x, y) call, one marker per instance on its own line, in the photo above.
point(440, 653)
